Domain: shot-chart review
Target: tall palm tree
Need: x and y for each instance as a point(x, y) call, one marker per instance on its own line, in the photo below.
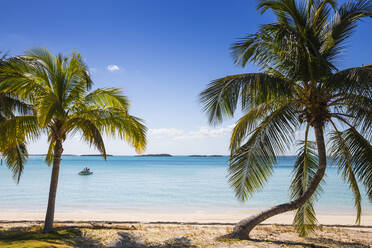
point(58, 88)
point(300, 88)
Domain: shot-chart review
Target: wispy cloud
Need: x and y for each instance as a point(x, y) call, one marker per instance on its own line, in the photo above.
point(206, 132)
point(165, 132)
point(201, 133)
point(113, 68)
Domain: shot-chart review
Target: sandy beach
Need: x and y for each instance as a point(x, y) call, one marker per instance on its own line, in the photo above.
point(161, 235)
point(199, 217)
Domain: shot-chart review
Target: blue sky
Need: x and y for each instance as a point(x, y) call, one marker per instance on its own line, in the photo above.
point(162, 53)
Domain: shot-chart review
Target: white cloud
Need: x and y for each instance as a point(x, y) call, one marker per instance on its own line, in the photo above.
point(113, 68)
point(201, 133)
point(165, 132)
point(206, 132)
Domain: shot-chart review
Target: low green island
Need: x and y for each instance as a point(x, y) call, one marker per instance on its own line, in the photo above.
point(206, 156)
point(155, 155)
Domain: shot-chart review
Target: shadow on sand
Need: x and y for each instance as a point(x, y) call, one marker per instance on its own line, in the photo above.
point(62, 236)
point(75, 237)
point(312, 242)
point(129, 240)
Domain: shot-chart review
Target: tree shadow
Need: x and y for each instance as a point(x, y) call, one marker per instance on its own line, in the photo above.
point(338, 242)
point(287, 242)
point(75, 237)
point(60, 236)
point(82, 240)
point(313, 242)
point(130, 240)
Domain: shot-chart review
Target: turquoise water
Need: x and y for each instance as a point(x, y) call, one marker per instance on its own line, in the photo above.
point(177, 183)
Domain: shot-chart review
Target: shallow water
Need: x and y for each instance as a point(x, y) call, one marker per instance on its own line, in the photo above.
point(178, 183)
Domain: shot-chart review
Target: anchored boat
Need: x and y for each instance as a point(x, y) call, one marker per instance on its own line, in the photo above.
point(85, 172)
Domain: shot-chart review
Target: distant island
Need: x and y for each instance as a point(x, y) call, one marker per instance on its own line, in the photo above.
point(155, 155)
point(202, 156)
point(95, 155)
point(143, 155)
point(45, 155)
point(83, 155)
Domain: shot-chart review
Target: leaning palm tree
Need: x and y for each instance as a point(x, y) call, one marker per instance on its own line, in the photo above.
point(300, 88)
point(58, 89)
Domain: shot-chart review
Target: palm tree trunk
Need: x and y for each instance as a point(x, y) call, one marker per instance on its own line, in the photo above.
point(49, 218)
point(244, 227)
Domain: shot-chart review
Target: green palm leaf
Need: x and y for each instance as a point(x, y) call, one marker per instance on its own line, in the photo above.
point(15, 155)
point(220, 99)
point(357, 81)
point(89, 131)
point(108, 97)
point(360, 151)
point(252, 164)
point(342, 25)
point(304, 171)
point(340, 153)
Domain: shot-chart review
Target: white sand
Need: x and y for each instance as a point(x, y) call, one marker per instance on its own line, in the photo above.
point(200, 217)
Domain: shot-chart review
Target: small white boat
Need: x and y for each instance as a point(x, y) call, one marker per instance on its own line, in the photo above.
point(85, 172)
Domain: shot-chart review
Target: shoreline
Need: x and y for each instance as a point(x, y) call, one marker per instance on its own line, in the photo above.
point(197, 218)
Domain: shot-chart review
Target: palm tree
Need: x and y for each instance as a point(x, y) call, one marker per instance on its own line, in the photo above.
point(58, 88)
point(300, 88)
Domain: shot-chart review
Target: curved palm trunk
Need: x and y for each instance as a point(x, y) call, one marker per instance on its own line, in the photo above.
point(244, 227)
point(49, 218)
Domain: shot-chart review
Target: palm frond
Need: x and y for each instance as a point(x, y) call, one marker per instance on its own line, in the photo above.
point(342, 157)
point(247, 124)
point(77, 79)
point(14, 133)
point(252, 163)
point(108, 97)
point(50, 154)
point(342, 25)
point(89, 131)
point(11, 105)
point(18, 128)
point(304, 171)
point(22, 79)
point(293, 10)
point(359, 108)
point(77, 71)
point(48, 108)
point(15, 155)
point(115, 122)
point(283, 44)
point(360, 151)
point(221, 97)
point(357, 80)
point(44, 59)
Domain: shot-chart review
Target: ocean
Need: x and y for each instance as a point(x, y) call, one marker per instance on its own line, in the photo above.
point(143, 184)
